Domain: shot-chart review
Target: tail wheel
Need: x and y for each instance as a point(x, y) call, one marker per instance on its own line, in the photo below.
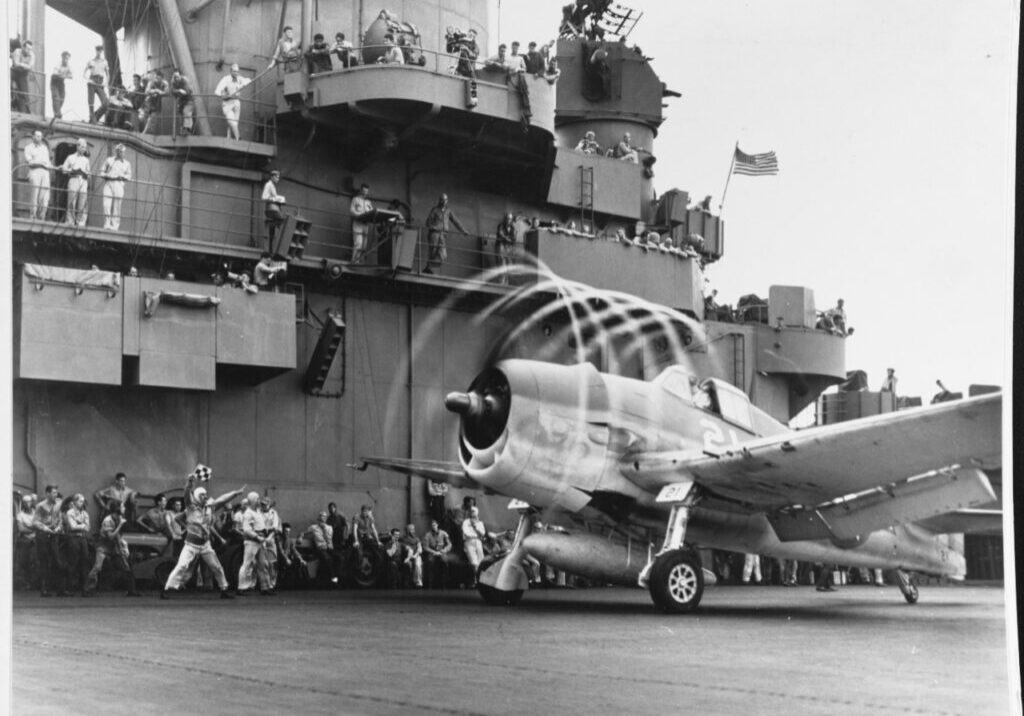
point(910, 593)
point(676, 582)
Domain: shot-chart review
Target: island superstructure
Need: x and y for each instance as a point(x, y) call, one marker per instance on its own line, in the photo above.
point(130, 357)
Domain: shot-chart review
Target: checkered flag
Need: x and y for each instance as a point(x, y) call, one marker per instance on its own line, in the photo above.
point(202, 473)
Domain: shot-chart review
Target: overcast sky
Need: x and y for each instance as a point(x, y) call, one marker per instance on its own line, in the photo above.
point(892, 121)
point(893, 125)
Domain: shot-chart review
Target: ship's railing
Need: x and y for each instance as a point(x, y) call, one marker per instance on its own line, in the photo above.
point(152, 211)
point(257, 120)
point(34, 96)
point(429, 60)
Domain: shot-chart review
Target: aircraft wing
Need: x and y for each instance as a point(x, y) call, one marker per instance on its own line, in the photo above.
point(436, 470)
point(817, 465)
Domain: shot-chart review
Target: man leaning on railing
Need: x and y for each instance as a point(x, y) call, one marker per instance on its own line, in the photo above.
point(119, 109)
point(181, 90)
point(342, 49)
point(156, 89)
point(515, 71)
point(392, 53)
point(288, 52)
point(318, 56)
point(23, 60)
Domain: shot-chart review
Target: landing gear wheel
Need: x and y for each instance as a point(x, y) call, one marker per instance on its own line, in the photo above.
point(910, 593)
point(366, 567)
point(676, 582)
point(907, 585)
point(498, 597)
point(492, 596)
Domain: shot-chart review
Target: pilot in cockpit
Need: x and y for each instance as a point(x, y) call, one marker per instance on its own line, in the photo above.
point(702, 397)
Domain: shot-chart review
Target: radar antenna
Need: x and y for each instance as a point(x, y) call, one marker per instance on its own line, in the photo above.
point(597, 20)
point(619, 21)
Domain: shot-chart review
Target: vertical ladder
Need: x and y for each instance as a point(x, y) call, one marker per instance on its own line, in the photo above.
point(332, 335)
point(739, 361)
point(587, 199)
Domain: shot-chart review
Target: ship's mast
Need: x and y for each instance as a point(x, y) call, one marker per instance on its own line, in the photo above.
point(31, 25)
point(171, 17)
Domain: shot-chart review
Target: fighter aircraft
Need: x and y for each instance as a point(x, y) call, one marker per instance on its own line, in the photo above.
point(693, 460)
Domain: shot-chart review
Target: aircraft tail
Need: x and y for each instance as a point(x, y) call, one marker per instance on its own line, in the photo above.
point(983, 522)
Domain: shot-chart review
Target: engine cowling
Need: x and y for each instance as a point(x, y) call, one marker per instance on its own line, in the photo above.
point(534, 431)
point(551, 434)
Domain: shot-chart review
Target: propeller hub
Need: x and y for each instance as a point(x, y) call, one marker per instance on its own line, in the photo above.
point(483, 409)
point(460, 403)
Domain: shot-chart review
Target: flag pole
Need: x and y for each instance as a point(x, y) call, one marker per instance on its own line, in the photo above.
point(732, 164)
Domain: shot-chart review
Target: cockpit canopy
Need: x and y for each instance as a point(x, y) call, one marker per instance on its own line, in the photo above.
point(711, 394)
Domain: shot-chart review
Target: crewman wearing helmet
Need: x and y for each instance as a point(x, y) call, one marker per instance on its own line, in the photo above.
point(198, 522)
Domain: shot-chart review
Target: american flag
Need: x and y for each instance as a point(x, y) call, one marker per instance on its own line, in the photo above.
point(754, 165)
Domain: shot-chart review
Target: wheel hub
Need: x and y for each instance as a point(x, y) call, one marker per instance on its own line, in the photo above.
point(682, 583)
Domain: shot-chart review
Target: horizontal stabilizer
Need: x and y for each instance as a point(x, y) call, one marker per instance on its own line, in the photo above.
point(436, 470)
point(909, 501)
point(986, 522)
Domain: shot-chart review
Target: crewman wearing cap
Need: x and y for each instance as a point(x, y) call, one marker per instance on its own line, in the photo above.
point(198, 523)
point(253, 571)
point(227, 89)
point(889, 385)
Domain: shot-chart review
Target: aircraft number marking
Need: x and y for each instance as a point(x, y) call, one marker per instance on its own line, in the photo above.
point(674, 492)
point(714, 436)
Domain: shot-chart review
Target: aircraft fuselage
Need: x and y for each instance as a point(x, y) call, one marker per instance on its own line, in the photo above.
point(554, 435)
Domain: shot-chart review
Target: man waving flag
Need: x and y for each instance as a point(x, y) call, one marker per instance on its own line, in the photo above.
point(754, 165)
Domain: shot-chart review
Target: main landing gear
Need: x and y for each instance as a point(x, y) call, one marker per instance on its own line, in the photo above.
point(676, 581)
point(501, 580)
point(675, 577)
